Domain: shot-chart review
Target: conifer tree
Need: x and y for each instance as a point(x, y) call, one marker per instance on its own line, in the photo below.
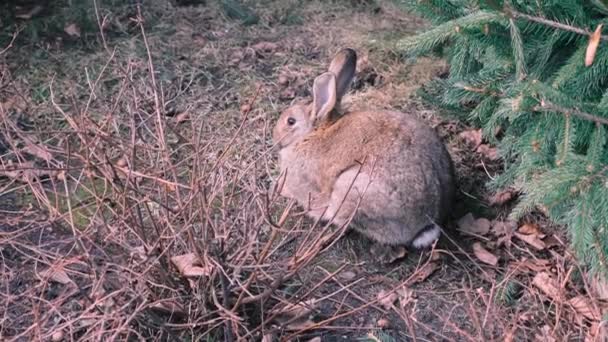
point(538, 69)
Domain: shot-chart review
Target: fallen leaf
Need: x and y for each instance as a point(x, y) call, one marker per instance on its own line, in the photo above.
point(531, 265)
point(265, 47)
point(287, 94)
point(502, 197)
point(599, 286)
point(190, 266)
point(468, 224)
point(34, 11)
point(426, 271)
point(169, 306)
point(347, 275)
point(57, 336)
point(294, 316)
point(484, 255)
point(397, 253)
point(594, 41)
point(545, 335)
point(386, 299)
point(298, 309)
point(57, 274)
point(490, 153)
point(547, 285)
point(181, 117)
point(597, 332)
point(268, 337)
point(283, 80)
point(301, 324)
point(529, 229)
point(473, 137)
point(245, 108)
point(383, 323)
point(583, 306)
point(551, 241)
point(406, 296)
point(13, 103)
point(531, 240)
point(72, 30)
point(502, 228)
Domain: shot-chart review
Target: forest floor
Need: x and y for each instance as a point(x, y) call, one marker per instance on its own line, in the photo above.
point(136, 199)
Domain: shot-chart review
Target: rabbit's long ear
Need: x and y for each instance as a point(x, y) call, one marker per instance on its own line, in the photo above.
point(343, 66)
point(324, 96)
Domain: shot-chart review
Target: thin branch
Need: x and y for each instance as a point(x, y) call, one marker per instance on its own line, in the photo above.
point(551, 107)
point(10, 44)
point(518, 15)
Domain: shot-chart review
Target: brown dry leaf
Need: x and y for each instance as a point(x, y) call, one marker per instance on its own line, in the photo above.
point(294, 316)
point(245, 108)
point(386, 299)
point(594, 41)
point(383, 323)
point(545, 335)
point(510, 336)
point(468, 224)
point(472, 137)
point(190, 266)
point(347, 275)
point(583, 306)
point(502, 228)
point(265, 47)
point(597, 332)
point(551, 241)
point(72, 30)
point(531, 265)
point(529, 228)
point(300, 309)
point(13, 102)
point(270, 337)
point(532, 240)
point(406, 296)
point(397, 253)
point(490, 153)
point(57, 336)
point(57, 274)
point(484, 255)
point(169, 306)
point(547, 285)
point(32, 12)
point(181, 117)
point(426, 271)
point(283, 80)
point(37, 150)
point(599, 285)
point(300, 324)
point(25, 172)
point(502, 197)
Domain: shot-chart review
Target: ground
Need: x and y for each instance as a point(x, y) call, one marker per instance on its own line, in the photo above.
point(137, 199)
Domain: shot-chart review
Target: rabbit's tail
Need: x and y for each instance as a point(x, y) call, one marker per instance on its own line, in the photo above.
point(426, 237)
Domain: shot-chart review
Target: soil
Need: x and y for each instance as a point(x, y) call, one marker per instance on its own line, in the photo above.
point(229, 81)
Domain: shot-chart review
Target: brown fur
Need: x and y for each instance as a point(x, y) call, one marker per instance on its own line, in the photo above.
point(399, 172)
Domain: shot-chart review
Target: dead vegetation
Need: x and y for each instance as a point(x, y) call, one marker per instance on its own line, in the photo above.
point(137, 199)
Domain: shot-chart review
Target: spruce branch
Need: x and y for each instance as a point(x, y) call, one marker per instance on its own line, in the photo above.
point(551, 107)
point(427, 41)
point(519, 15)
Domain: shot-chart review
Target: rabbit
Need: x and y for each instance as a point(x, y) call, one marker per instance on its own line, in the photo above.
point(390, 171)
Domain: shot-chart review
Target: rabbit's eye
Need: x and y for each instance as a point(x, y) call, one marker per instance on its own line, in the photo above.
point(291, 121)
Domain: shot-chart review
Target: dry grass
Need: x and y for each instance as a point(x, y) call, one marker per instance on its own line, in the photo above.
point(155, 144)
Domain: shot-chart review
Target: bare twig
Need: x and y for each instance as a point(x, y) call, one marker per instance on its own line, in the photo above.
point(546, 106)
